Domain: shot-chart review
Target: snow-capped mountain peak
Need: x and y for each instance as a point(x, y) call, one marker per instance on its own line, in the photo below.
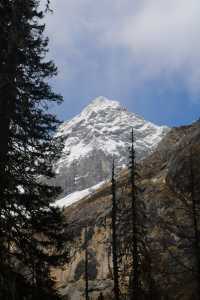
point(102, 130)
point(101, 103)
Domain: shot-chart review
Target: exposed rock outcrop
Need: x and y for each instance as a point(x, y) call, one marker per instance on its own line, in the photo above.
point(163, 175)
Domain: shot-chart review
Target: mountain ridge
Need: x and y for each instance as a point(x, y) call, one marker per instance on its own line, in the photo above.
point(94, 137)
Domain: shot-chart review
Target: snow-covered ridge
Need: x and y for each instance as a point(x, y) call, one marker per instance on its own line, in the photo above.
point(100, 132)
point(102, 125)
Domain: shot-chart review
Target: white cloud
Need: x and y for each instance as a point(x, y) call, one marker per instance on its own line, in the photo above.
point(160, 37)
point(163, 36)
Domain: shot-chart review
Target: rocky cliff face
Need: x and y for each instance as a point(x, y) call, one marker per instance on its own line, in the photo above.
point(162, 176)
point(98, 134)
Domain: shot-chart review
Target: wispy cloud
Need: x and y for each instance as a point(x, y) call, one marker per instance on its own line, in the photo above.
point(163, 37)
point(111, 46)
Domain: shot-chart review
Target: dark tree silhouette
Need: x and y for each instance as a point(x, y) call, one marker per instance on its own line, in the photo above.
point(32, 231)
point(114, 236)
point(134, 217)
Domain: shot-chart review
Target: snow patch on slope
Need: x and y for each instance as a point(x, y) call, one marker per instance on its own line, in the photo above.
point(76, 196)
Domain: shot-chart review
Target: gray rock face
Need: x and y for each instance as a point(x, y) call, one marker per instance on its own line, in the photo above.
point(98, 134)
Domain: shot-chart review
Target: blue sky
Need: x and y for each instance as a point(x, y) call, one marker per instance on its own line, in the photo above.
point(143, 53)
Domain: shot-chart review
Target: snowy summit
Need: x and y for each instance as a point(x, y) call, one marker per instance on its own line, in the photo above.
point(99, 133)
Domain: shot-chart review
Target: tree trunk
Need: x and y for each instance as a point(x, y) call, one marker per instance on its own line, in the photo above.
point(114, 237)
point(135, 261)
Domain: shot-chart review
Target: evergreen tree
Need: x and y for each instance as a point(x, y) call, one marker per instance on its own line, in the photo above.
point(32, 231)
point(114, 237)
point(132, 255)
point(134, 220)
point(134, 250)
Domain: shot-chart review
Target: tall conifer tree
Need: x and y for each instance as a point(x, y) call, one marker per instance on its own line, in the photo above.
point(134, 220)
point(114, 237)
point(32, 231)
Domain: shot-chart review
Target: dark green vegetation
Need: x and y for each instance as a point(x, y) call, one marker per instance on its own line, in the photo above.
point(32, 232)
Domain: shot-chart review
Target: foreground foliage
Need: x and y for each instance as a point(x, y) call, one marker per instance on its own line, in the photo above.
point(32, 231)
